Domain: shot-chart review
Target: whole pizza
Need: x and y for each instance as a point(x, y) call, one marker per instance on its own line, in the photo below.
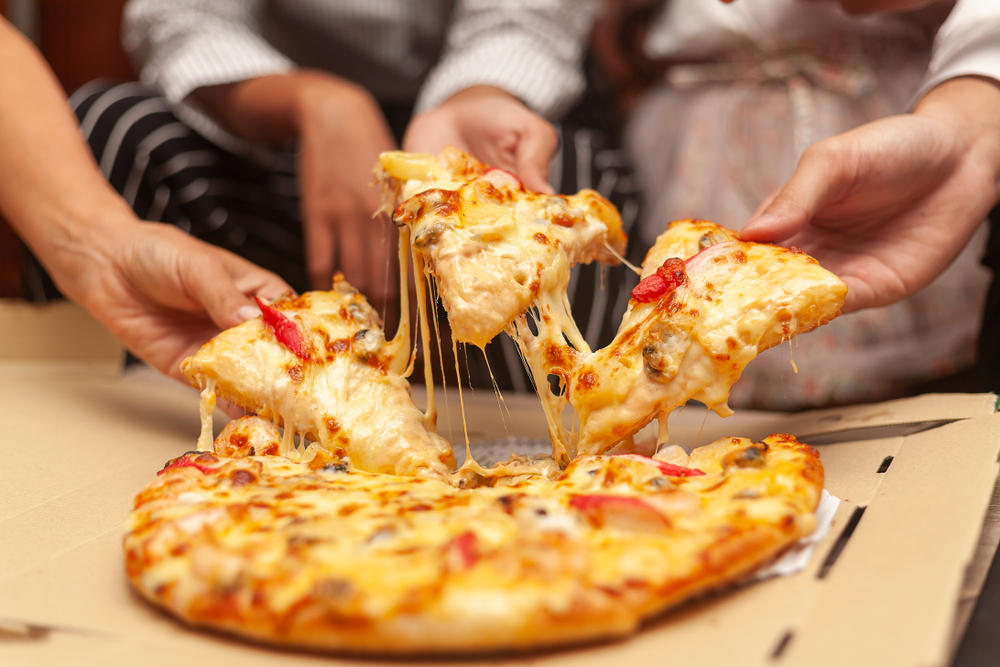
point(333, 516)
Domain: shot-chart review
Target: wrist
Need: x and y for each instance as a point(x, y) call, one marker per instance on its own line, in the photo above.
point(969, 107)
point(319, 97)
point(473, 93)
point(76, 243)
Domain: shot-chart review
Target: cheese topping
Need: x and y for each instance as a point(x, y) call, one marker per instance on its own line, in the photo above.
point(345, 396)
point(492, 246)
point(501, 257)
point(322, 554)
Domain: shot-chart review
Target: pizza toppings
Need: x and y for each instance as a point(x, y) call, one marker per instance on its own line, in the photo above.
point(669, 469)
point(285, 330)
point(463, 551)
point(668, 277)
point(320, 554)
point(202, 461)
point(621, 512)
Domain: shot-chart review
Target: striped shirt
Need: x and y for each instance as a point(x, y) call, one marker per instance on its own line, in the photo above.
point(402, 51)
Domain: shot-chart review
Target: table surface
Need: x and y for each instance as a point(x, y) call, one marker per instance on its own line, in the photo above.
point(523, 414)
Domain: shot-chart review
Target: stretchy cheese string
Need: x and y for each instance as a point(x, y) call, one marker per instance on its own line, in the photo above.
point(432, 291)
point(632, 267)
point(501, 403)
point(205, 409)
point(469, 460)
point(400, 364)
point(425, 336)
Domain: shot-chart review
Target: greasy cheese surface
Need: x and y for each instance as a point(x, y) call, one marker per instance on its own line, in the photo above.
point(739, 300)
point(500, 258)
point(346, 395)
point(692, 343)
point(491, 245)
point(319, 553)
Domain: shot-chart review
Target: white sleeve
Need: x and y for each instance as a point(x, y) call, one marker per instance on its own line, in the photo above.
point(181, 45)
point(533, 49)
point(968, 43)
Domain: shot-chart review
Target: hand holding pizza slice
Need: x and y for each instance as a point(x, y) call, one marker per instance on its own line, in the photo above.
point(707, 305)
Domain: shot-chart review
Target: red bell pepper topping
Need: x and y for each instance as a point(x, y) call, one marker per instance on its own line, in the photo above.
point(667, 278)
point(670, 469)
point(464, 548)
point(623, 512)
point(192, 460)
point(285, 330)
point(597, 501)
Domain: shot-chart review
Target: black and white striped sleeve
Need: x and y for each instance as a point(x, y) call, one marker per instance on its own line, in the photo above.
point(182, 45)
point(533, 49)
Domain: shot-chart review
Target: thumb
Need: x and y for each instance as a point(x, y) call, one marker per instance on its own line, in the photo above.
point(534, 153)
point(214, 287)
point(812, 186)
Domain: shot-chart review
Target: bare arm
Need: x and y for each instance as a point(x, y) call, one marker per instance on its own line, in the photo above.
point(161, 292)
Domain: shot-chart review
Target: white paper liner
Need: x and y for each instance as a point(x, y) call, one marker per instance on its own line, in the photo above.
point(796, 558)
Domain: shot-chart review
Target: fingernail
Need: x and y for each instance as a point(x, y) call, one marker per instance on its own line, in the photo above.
point(248, 313)
point(765, 219)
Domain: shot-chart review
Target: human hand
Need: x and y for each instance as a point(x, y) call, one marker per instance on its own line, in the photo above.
point(341, 133)
point(889, 205)
point(495, 127)
point(162, 293)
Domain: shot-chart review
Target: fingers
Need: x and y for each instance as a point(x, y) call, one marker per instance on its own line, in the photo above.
point(319, 239)
point(212, 285)
point(819, 179)
point(533, 155)
point(431, 132)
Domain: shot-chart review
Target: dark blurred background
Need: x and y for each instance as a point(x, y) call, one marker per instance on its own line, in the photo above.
point(81, 40)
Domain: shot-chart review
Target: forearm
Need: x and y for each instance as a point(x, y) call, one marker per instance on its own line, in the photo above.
point(971, 105)
point(272, 109)
point(52, 192)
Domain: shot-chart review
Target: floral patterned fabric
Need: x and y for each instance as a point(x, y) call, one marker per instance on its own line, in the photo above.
point(717, 137)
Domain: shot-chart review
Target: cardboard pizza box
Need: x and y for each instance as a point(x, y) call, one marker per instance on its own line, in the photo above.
point(81, 437)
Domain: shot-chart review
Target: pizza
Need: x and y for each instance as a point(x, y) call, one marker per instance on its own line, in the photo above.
point(317, 553)
point(319, 366)
point(694, 322)
point(493, 247)
point(707, 304)
point(333, 516)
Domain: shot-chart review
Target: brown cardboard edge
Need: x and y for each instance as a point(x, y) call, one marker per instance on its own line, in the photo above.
point(934, 509)
point(923, 409)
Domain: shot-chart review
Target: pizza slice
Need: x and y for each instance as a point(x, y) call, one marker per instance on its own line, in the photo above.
point(319, 365)
point(493, 248)
point(703, 310)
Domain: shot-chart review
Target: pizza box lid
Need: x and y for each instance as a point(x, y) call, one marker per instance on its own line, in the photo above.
point(915, 476)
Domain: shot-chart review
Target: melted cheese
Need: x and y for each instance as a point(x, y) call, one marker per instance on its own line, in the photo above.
point(346, 396)
point(206, 406)
point(501, 256)
point(694, 343)
point(492, 246)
